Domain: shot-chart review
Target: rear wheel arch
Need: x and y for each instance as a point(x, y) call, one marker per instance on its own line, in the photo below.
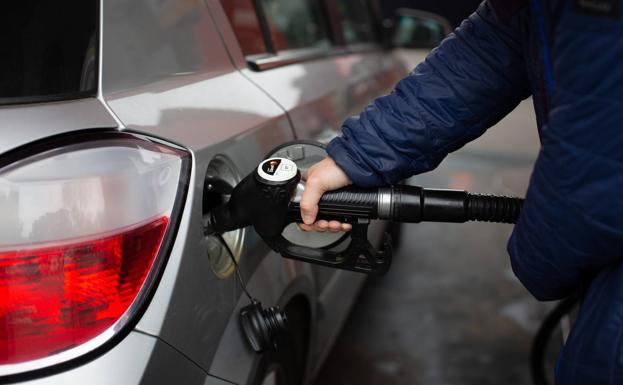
point(287, 364)
point(298, 311)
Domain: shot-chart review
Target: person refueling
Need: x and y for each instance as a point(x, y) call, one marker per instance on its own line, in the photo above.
point(567, 55)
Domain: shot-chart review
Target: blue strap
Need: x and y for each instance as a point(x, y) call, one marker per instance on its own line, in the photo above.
point(547, 64)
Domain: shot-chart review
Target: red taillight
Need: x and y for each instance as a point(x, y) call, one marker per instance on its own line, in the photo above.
point(84, 221)
point(53, 298)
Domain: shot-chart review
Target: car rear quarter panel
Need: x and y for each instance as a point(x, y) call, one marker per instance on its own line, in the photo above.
point(166, 72)
point(138, 359)
point(22, 124)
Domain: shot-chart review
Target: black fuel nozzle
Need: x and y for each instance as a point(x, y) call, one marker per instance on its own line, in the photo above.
point(261, 199)
point(268, 199)
point(413, 204)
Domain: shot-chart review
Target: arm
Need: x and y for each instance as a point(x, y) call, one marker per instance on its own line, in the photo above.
point(467, 84)
point(571, 225)
point(472, 80)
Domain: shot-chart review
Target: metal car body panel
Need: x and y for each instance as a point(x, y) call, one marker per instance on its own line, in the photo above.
point(48, 119)
point(351, 77)
point(145, 42)
point(174, 70)
point(317, 109)
point(350, 81)
point(202, 102)
point(137, 359)
point(234, 358)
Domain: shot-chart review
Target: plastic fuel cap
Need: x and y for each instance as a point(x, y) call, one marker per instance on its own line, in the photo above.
point(277, 170)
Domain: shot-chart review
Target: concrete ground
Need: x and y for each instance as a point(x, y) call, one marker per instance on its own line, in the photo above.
point(450, 310)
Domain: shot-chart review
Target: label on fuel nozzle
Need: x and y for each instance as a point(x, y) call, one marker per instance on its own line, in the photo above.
point(277, 170)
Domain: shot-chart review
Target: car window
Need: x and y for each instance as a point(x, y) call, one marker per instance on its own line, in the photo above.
point(48, 53)
point(356, 21)
point(243, 18)
point(295, 24)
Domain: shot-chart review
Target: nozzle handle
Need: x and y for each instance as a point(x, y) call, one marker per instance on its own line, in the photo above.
point(345, 204)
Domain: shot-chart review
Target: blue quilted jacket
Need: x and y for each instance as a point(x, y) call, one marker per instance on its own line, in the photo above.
point(567, 55)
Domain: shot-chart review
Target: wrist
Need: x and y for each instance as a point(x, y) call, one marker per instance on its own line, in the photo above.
point(358, 174)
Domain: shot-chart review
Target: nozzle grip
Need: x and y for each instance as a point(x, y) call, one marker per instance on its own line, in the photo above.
point(345, 204)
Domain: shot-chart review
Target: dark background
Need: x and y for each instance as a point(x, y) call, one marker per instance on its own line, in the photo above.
point(453, 10)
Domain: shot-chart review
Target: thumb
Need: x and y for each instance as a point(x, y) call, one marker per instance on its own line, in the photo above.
point(309, 201)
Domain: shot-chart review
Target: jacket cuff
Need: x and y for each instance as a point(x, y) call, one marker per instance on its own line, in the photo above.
point(361, 176)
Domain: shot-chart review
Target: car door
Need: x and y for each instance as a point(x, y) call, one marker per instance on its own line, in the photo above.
point(321, 62)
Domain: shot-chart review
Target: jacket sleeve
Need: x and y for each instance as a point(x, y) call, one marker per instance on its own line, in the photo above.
point(472, 80)
point(571, 224)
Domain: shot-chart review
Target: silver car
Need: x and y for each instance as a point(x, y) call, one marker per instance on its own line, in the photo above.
point(120, 122)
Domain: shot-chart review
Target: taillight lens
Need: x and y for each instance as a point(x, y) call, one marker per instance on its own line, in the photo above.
point(79, 242)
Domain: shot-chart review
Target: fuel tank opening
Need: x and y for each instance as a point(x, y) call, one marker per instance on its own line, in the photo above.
point(221, 177)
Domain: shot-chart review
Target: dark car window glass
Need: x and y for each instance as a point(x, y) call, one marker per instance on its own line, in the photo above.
point(295, 24)
point(244, 20)
point(47, 51)
point(356, 21)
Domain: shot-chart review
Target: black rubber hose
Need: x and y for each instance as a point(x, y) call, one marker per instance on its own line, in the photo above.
point(543, 336)
point(491, 208)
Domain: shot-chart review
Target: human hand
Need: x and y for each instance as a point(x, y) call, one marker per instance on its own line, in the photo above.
point(324, 176)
